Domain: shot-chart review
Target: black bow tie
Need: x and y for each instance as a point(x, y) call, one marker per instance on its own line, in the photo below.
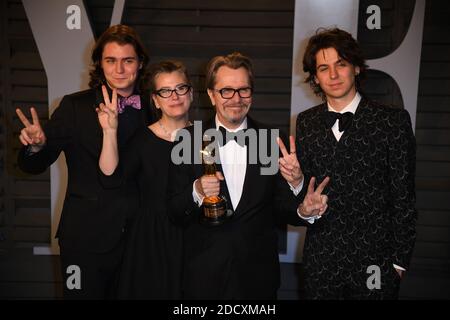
point(344, 119)
point(227, 136)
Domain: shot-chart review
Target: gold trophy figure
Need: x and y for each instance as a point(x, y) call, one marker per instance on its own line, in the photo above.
point(215, 207)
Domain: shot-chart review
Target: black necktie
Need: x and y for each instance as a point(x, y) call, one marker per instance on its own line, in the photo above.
point(344, 119)
point(228, 136)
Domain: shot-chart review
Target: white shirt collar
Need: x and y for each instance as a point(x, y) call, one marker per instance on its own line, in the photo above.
point(351, 107)
point(242, 126)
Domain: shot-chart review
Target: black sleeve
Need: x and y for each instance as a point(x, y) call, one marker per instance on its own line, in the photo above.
point(128, 167)
point(181, 206)
point(305, 163)
point(59, 131)
point(286, 203)
point(402, 160)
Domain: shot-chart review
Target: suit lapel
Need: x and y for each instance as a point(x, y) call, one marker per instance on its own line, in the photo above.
point(325, 131)
point(92, 134)
point(356, 123)
point(251, 173)
point(147, 114)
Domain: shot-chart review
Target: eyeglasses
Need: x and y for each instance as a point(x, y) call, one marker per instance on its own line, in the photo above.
point(181, 90)
point(228, 93)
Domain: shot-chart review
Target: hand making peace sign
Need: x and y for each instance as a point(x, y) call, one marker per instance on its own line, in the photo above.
point(107, 111)
point(315, 203)
point(32, 134)
point(289, 165)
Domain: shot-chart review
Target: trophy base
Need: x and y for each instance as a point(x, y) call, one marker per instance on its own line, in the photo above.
point(216, 221)
point(215, 214)
point(215, 211)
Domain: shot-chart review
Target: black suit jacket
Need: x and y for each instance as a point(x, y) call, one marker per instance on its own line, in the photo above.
point(371, 212)
point(239, 259)
point(93, 218)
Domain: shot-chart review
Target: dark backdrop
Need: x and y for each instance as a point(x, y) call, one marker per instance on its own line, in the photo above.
point(194, 31)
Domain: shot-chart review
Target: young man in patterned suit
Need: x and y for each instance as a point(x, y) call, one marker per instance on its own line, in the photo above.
point(368, 151)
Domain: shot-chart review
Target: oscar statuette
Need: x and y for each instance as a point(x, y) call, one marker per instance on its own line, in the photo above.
point(215, 210)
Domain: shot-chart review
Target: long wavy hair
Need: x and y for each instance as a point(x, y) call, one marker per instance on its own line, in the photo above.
point(123, 35)
point(345, 45)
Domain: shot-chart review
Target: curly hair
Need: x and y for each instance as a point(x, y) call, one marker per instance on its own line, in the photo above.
point(345, 45)
point(123, 35)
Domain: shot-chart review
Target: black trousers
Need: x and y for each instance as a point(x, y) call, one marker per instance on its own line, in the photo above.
point(90, 276)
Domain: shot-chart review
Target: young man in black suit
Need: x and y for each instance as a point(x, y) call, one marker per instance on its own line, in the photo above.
point(361, 246)
point(239, 258)
point(94, 219)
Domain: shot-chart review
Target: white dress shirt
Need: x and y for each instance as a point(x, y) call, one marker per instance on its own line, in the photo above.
point(233, 158)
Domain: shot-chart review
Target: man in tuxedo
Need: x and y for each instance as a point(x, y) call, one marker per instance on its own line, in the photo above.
point(94, 219)
point(361, 246)
point(237, 259)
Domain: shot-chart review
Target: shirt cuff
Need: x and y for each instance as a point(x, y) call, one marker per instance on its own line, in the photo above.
point(197, 199)
point(299, 188)
point(398, 267)
point(32, 149)
point(310, 220)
